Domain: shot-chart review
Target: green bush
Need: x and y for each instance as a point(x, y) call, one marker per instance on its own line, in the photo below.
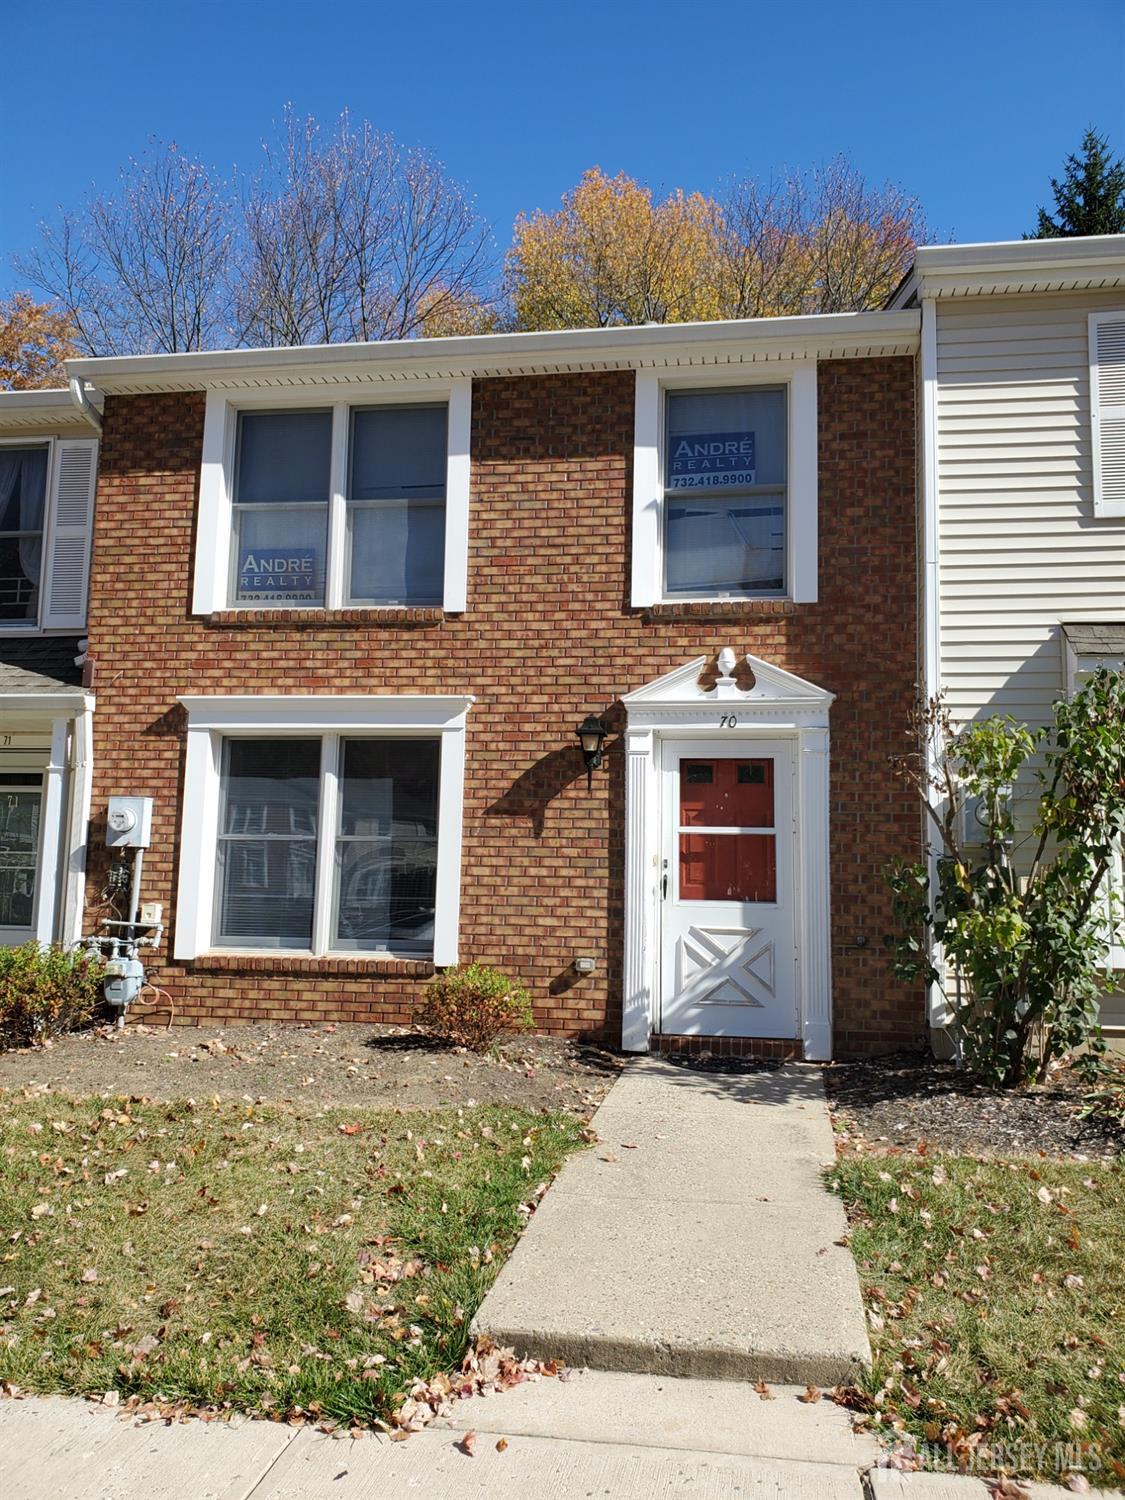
point(44, 991)
point(470, 1006)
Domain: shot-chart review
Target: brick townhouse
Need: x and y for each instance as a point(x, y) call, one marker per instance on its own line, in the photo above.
point(348, 607)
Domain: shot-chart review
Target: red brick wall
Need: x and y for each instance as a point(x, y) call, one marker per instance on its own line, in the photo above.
point(549, 635)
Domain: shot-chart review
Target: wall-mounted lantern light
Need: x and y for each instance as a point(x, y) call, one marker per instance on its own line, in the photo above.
point(591, 736)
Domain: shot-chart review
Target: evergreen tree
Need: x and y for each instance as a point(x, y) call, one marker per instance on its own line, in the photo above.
point(1090, 199)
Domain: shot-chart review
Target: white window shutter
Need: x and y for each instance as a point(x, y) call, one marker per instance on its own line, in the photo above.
point(71, 528)
point(1107, 411)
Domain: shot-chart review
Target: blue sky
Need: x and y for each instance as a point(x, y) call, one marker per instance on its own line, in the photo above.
point(971, 104)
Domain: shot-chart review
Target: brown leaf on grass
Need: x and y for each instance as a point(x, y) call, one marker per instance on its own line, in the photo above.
point(468, 1444)
point(763, 1390)
point(351, 1129)
point(811, 1393)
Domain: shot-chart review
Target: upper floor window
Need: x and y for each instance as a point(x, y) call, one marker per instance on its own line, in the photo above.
point(23, 503)
point(46, 520)
point(335, 506)
point(725, 471)
point(725, 485)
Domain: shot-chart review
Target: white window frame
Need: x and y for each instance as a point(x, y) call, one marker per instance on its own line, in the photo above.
point(211, 719)
point(211, 593)
point(801, 547)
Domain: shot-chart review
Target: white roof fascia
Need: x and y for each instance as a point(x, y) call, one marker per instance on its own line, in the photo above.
point(742, 341)
point(1081, 263)
point(42, 413)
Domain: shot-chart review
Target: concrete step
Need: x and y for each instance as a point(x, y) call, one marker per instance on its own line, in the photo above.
point(695, 1240)
point(723, 1416)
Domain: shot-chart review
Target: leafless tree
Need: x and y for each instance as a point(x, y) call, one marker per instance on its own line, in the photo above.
point(145, 269)
point(350, 237)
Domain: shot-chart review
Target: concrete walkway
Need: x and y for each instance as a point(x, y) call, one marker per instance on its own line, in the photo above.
point(622, 1437)
point(696, 1239)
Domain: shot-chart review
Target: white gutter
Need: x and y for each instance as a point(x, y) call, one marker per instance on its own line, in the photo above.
point(81, 399)
point(733, 341)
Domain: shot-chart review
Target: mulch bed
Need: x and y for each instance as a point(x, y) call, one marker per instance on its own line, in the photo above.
point(909, 1098)
point(379, 1067)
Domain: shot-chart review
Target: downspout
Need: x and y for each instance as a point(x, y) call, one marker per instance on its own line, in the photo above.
point(81, 399)
point(78, 822)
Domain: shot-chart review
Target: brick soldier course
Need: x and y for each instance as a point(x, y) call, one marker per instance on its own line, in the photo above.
point(549, 635)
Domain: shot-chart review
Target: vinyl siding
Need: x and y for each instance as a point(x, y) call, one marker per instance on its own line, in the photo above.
point(1021, 551)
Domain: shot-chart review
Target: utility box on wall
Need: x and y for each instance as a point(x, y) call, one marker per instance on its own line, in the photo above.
point(128, 823)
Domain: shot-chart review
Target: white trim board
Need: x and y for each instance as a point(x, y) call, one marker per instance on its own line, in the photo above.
point(211, 718)
point(779, 704)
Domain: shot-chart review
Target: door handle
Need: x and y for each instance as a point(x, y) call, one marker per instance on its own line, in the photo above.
point(664, 883)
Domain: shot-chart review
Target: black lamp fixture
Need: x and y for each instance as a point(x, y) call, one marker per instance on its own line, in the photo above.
point(591, 736)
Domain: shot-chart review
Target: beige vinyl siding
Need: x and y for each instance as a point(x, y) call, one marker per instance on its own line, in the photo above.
point(1020, 549)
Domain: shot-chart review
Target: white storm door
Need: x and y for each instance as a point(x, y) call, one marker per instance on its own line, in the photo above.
point(727, 896)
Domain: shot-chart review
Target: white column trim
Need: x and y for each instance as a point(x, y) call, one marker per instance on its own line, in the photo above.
point(641, 938)
point(50, 856)
point(457, 489)
point(647, 569)
point(72, 919)
point(802, 522)
point(814, 941)
point(213, 522)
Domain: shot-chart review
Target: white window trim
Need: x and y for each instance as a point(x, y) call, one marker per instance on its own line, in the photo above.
point(210, 719)
point(211, 592)
point(799, 377)
point(1104, 505)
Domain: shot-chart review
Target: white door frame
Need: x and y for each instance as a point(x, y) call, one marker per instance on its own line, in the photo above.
point(779, 705)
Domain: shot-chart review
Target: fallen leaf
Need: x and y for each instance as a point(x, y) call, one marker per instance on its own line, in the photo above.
point(811, 1393)
point(468, 1444)
point(501, 1444)
point(763, 1390)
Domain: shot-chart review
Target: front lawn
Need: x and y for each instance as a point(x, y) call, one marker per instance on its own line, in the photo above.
point(996, 1302)
point(274, 1260)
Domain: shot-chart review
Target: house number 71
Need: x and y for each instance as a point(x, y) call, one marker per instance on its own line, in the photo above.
point(728, 721)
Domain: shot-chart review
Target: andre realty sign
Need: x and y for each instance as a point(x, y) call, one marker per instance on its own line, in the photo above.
point(264, 576)
point(710, 460)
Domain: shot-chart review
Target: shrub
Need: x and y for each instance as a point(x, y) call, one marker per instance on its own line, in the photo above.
point(44, 991)
point(1023, 919)
point(470, 1006)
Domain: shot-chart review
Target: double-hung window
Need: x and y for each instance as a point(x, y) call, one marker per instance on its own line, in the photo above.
point(335, 506)
point(23, 503)
point(355, 816)
point(725, 485)
point(725, 472)
point(322, 825)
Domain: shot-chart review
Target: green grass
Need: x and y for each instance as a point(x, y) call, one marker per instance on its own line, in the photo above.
point(267, 1259)
point(996, 1298)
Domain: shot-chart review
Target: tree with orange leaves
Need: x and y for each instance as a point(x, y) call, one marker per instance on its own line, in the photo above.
point(35, 338)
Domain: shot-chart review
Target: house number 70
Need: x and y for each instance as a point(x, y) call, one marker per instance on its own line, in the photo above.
point(728, 721)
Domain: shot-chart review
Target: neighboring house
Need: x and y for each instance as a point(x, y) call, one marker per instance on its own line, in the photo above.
point(48, 461)
point(1023, 479)
point(350, 604)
